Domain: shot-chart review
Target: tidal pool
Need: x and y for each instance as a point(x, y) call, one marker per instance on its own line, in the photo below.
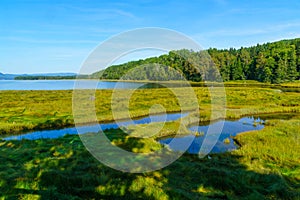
point(225, 141)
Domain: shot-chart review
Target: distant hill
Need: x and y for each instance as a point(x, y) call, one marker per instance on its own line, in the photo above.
point(53, 74)
point(7, 76)
point(13, 76)
point(273, 62)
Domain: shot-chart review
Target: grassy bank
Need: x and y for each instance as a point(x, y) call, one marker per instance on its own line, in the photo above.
point(275, 149)
point(33, 110)
point(265, 167)
point(295, 84)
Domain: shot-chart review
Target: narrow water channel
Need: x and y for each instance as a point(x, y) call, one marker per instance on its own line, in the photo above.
point(225, 141)
point(95, 128)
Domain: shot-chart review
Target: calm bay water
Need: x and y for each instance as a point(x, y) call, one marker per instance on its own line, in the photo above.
point(66, 84)
point(95, 84)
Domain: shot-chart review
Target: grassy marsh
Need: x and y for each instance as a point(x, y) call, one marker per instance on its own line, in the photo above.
point(265, 167)
point(33, 110)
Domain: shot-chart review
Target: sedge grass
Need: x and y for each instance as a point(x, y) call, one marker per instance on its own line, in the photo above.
point(265, 167)
point(31, 110)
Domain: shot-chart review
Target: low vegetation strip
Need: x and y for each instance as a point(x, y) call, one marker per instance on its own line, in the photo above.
point(265, 167)
point(34, 110)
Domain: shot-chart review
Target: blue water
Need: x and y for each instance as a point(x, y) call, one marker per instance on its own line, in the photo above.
point(95, 128)
point(65, 84)
point(230, 128)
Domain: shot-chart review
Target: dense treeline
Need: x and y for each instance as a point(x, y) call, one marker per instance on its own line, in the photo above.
point(51, 77)
point(184, 63)
point(44, 77)
point(271, 62)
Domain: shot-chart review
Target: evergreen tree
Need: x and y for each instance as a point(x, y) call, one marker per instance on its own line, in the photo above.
point(292, 73)
point(271, 62)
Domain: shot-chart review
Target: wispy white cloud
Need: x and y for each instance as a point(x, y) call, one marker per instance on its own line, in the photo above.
point(286, 25)
point(61, 56)
point(102, 13)
point(235, 32)
point(222, 38)
point(49, 41)
point(246, 10)
point(289, 35)
point(220, 2)
point(250, 31)
point(87, 21)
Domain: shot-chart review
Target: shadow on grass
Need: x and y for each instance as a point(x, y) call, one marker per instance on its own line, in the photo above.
point(64, 169)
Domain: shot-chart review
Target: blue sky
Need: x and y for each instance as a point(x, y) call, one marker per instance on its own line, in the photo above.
point(38, 36)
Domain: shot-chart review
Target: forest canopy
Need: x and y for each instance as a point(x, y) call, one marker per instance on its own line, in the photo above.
point(274, 62)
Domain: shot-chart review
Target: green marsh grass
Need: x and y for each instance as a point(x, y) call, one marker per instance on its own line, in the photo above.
point(32, 110)
point(266, 166)
point(295, 84)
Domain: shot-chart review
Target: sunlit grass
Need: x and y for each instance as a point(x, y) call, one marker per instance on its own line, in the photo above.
point(295, 84)
point(265, 167)
point(276, 147)
point(28, 110)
